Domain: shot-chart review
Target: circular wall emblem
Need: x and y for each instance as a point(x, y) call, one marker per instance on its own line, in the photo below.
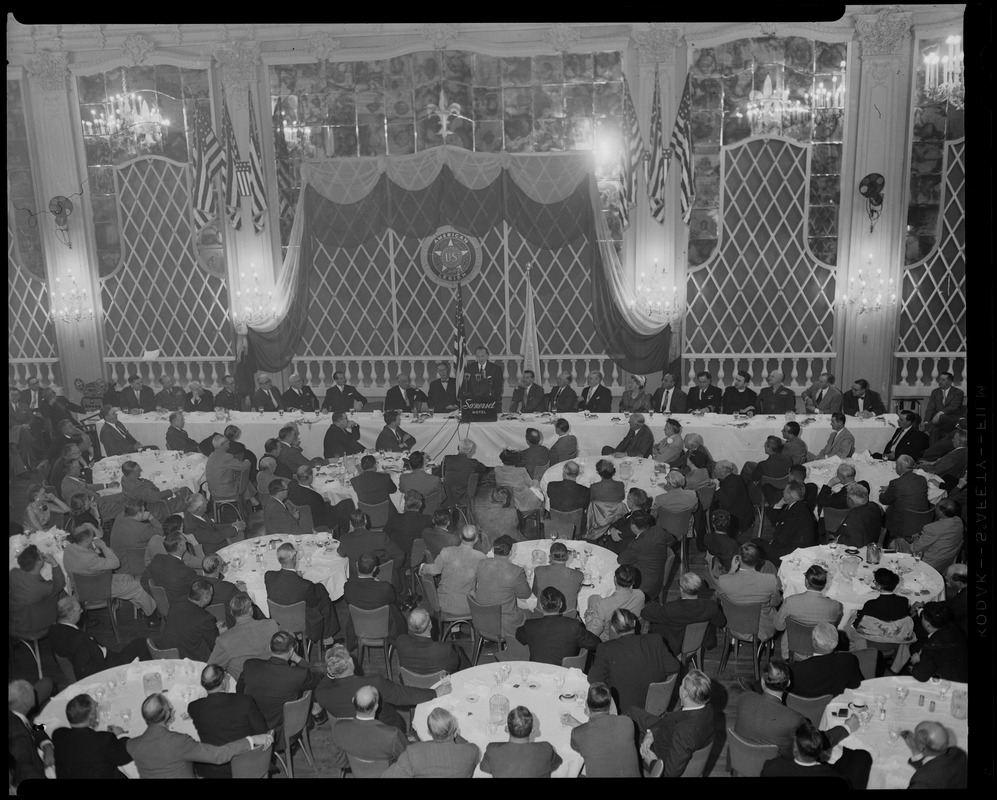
point(450, 257)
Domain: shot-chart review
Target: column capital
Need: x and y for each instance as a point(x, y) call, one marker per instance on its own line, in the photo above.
point(884, 33)
point(50, 69)
point(239, 59)
point(655, 43)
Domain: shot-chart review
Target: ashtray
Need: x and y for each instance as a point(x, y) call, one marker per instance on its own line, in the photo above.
point(852, 551)
point(568, 696)
point(906, 592)
point(471, 698)
point(532, 685)
point(857, 705)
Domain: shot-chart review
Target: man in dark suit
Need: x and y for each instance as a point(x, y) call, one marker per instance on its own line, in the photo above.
point(81, 751)
point(418, 652)
point(861, 401)
point(739, 398)
point(675, 736)
point(286, 587)
point(827, 671)
point(528, 397)
point(300, 396)
point(403, 529)
point(886, 606)
point(596, 398)
point(863, 523)
point(443, 391)
point(32, 396)
point(168, 571)
point(198, 398)
point(273, 682)
point(457, 471)
point(795, 526)
point(404, 397)
point(562, 399)
point(222, 591)
point(808, 747)
point(229, 395)
point(776, 465)
point(392, 438)
point(448, 755)
point(222, 717)
point(373, 487)
point(482, 379)
point(671, 619)
point(266, 397)
point(177, 438)
point(775, 398)
point(937, 763)
point(138, 397)
point(324, 515)
point(567, 580)
point(631, 663)
point(211, 535)
point(908, 440)
point(945, 401)
point(704, 396)
point(605, 741)
point(638, 442)
point(31, 600)
point(906, 492)
point(360, 539)
point(190, 628)
point(86, 655)
point(568, 495)
point(521, 756)
point(341, 396)
point(732, 496)
point(367, 593)
point(667, 398)
point(365, 736)
point(115, 437)
point(24, 741)
point(553, 637)
point(943, 652)
point(342, 438)
point(535, 455)
point(565, 446)
point(833, 494)
point(648, 552)
point(953, 463)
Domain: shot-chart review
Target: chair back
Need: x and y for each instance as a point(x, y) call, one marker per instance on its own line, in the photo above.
point(742, 620)
point(666, 573)
point(291, 618)
point(253, 763)
point(575, 662)
point(706, 495)
point(418, 553)
point(553, 529)
point(601, 514)
point(429, 594)
point(537, 470)
point(747, 758)
point(676, 524)
point(386, 571)
point(367, 768)
point(377, 513)
point(486, 620)
point(713, 570)
point(798, 637)
point(572, 518)
point(155, 652)
point(217, 610)
point(810, 707)
point(833, 517)
point(778, 483)
point(659, 695)
point(431, 502)
point(868, 658)
point(93, 590)
point(914, 521)
point(472, 489)
point(162, 601)
point(419, 680)
point(370, 626)
point(296, 717)
point(67, 668)
point(692, 639)
point(697, 764)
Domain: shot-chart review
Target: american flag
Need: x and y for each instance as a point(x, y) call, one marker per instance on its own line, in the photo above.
point(658, 165)
point(257, 190)
point(630, 156)
point(233, 208)
point(209, 158)
point(459, 341)
point(285, 181)
point(681, 145)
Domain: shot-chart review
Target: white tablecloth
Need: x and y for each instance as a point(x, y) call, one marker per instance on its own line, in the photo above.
point(51, 541)
point(168, 469)
point(918, 581)
point(318, 564)
point(333, 481)
point(877, 473)
point(469, 703)
point(636, 473)
point(598, 563)
point(725, 437)
point(890, 769)
point(124, 688)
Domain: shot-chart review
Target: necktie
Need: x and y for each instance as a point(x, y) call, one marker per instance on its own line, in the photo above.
point(945, 395)
point(820, 396)
point(664, 400)
point(895, 439)
point(862, 404)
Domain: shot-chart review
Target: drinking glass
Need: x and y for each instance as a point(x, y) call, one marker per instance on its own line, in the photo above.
point(170, 669)
point(498, 676)
point(126, 716)
point(832, 542)
point(894, 734)
point(935, 681)
point(260, 409)
point(99, 694)
point(524, 673)
point(554, 534)
point(559, 683)
point(902, 692)
point(917, 558)
point(880, 700)
point(944, 687)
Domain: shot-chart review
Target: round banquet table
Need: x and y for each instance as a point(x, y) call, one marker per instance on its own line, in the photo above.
point(333, 480)
point(598, 563)
point(52, 541)
point(168, 469)
point(316, 563)
point(636, 473)
point(890, 769)
point(469, 703)
point(125, 688)
point(918, 581)
point(877, 473)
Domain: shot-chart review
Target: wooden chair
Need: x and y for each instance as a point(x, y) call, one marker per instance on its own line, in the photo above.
point(253, 763)
point(742, 626)
point(292, 619)
point(418, 556)
point(94, 592)
point(296, 728)
point(467, 509)
point(745, 759)
point(367, 768)
point(386, 571)
point(775, 483)
point(68, 672)
point(576, 662)
point(833, 517)
point(537, 470)
point(162, 601)
point(377, 513)
point(486, 622)
point(810, 707)
point(446, 623)
point(217, 610)
point(573, 518)
point(697, 764)
point(914, 521)
point(678, 526)
point(659, 695)
point(408, 678)
point(757, 498)
point(713, 571)
point(371, 628)
point(868, 660)
point(692, 644)
point(666, 575)
point(798, 635)
point(155, 652)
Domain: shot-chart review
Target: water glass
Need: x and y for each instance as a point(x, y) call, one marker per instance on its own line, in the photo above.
point(944, 687)
point(894, 734)
point(498, 676)
point(902, 692)
point(126, 716)
point(99, 694)
point(880, 700)
point(170, 669)
point(935, 681)
point(559, 683)
point(524, 673)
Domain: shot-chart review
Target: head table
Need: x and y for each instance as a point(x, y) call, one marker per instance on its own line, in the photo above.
point(877, 473)
point(120, 692)
point(598, 564)
point(168, 469)
point(523, 683)
point(737, 440)
point(880, 737)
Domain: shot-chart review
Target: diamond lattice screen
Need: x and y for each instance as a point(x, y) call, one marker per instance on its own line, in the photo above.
point(762, 291)
point(159, 296)
point(29, 330)
point(933, 305)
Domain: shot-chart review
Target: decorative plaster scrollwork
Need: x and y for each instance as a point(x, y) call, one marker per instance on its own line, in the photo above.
point(101, 37)
point(561, 38)
point(440, 34)
point(768, 29)
point(239, 60)
point(322, 46)
point(136, 48)
point(880, 72)
point(885, 34)
point(49, 69)
point(656, 43)
point(236, 95)
point(177, 36)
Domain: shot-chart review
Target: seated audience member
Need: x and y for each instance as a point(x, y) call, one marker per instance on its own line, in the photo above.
point(29, 749)
point(557, 574)
point(392, 439)
point(840, 443)
point(635, 399)
point(512, 475)
point(521, 756)
point(620, 530)
point(671, 619)
point(291, 453)
point(908, 440)
point(605, 740)
point(227, 474)
point(177, 438)
point(808, 746)
point(246, 637)
point(81, 751)
point(861, 401)
point(272, 448)
point(212, 536)
point(675, 499)
point(342, 438)
point(266, 474)
point(301, 492)
point(372, 487)
point(85, 654)
point(457, 471)
point(957, 595)
point(718, 540)
point(447, 755)
point(698, 458)
point(554, 637)
point(607, 489)
point(827, 671)
point(361, 539)
point(776, 466)
point(161, 503)
point(565, 446)
point(732, 496)
point(832, 493)
point(739, 398)
point(440, 535)
point(457, 567)
point(367, 593)
point(669, 449)
point(108, 506)
point(600, 609)
point(795, 526)
point(938, 542)
point(648, 552)
point(886, 606)
point(286, 587)
point(809, 606)
point(421, 480)
point(676, 735)
point(131, 534)
point(189, 627)
point(638, 441)
point(943, 652)
point(191, 551)
point(863, 523)
point(937, 762)
point(499, 582)
point(403, 529)
point(213, 568)
point(418, 652)
point(798, 472)
point(282, 516)
point(744, 584)
point(535, 456)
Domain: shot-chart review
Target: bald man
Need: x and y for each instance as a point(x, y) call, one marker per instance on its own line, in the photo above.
point(776, 398)
point(937, 764)
point(365, 736)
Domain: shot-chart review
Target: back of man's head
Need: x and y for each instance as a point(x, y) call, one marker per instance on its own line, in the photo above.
point(282, 643)
point(690, 583)
point(174, 542)
point(600, 698)
point(286, 554)
point(241, 605)
point(367, 563)
point(200, 592)
point(338, 661)
point(502, 546)
point(625, 576)
point(777, 676)
point(815, 578)
point(79, 710)
point(365, 700)
point(623, 621)
point(552, 601)
point(358, 519)
point(419, 622)
point(570, 470)
point(368, 463)
point(749, 554)
point(808, 743)
point(212, 676)
point(520, 722)
point(442, 725)
point(558, 552)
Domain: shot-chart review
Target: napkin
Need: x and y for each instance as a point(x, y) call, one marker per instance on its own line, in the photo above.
point(477, 689)
point(860, 588)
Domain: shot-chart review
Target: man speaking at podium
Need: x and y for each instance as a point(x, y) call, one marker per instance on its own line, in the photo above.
point(482, 379)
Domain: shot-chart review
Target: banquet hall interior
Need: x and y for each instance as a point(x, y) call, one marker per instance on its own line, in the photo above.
point(626, 361)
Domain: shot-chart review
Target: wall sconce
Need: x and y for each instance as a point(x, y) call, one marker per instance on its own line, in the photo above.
point(61, 207)
point(871, 188)
point(70, 303)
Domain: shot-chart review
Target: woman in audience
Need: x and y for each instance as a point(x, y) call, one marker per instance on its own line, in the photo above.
point(635, 398)
point(697, 454)
point(41, 504)
point(81, 512)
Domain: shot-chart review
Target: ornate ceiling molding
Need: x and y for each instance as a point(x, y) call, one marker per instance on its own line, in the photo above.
point(440, 34)
point(884, 34)
point(561, 38)
point(49, 69)
point(656, 43)
point(322, 46)
point(137, 49)
point(239, 59)
point(841, 31)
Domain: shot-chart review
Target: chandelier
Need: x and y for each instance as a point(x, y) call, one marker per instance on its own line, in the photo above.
point(868, 292)
point(771, 105)
point(654, 296)
point(943, 78)
point(70, 303)
point(257, 306)
point(124, 111)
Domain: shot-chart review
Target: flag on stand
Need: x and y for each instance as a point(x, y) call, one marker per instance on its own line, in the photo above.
point(630, 156)
point(285, 180)
point(531, 347)
point(208, 158)
point(459, 342)
point(233, 207)
point(681, 145)
point(657, 167)
point(257, 190)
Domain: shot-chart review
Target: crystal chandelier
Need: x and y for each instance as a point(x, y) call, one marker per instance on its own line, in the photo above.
point(654, 296)
point(257, 306)
point(70, 303)
point(868, 292)
point(943, 74)
point(123, 111)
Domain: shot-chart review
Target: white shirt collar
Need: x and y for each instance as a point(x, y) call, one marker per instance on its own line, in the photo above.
point(695, 708)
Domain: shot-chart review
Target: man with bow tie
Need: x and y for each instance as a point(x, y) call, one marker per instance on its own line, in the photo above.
point(299, 396)
point(393, 439)
point(562, 398)
point(443, 391)
point(266, 396)
point(907, 440)
point(341, 396)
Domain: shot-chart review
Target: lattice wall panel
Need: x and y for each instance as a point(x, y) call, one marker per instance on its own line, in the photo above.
point(30, 333)
point(159, 296)
point(933, 309)
point(763, 291)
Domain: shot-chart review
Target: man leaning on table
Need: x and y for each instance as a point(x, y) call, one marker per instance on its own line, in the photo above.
point(862, 402)
point(522, 756)
point(840, 443)
point(248, 638)
point(827, 671)
point(937, 762)
point(638, 441)
point(342, 438)
point(83, 752)
point(85, 654)
point(675, 736)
